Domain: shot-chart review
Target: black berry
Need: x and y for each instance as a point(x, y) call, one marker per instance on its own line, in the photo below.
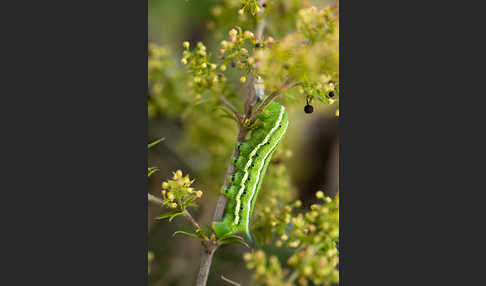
point(331, 94)
point(264, 5)
point(308, 108)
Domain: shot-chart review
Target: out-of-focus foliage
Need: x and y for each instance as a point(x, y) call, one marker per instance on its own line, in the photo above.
point(313, 234)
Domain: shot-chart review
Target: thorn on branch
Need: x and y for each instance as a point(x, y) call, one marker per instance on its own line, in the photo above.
point(230, 106)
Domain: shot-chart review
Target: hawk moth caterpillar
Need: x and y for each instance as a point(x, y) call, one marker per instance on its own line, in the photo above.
point(251, 165)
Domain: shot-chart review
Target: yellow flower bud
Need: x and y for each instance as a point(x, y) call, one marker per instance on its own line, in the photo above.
point(204, 65)
point(170, 196)
point(241, 11)
point(223, 67)
point(186, 44)
point(249, 34)
point(173, 205)
point(294, 243)
point(242, 79)
point(165, 185)
point(320, 195)
point(337, 113)
point(284, 237)
point(233, 32)
point(199, 194)
point(259, 254)
point(184, 61)
point(247, 256)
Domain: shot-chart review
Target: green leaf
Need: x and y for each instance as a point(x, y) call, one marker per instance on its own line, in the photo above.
point(231, 236)
point(151, 170)
point(227, 112)
point(232, 241)
point(193, 205)
point(170, 214)
point(174, 215)
point(186, 233)
point(186, 200)
point(155, 142)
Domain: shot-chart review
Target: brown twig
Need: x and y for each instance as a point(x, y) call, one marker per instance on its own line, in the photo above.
point(269, 99)
point(231, 107)
point(210, 246)
point(191, 219)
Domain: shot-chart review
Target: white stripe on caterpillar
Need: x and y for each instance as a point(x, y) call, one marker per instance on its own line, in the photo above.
point(258, 176)
point(248, 164)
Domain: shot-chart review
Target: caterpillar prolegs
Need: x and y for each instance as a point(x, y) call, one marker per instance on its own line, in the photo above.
point(251, 165)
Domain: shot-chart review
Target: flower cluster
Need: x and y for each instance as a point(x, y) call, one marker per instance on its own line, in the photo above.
point(313, 235)
point(223, 17)
point(178, 193)
point(324, 90)
point(165, 96)
point(308, 56)
point(205, 75)
point(315, 24)
point(250, 6)
point(268, 270)
point(235, 50)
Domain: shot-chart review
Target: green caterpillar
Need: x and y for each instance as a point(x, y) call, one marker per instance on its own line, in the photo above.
point(251, 165)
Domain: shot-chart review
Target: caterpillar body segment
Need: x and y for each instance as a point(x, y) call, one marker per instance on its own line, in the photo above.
point(251, 165)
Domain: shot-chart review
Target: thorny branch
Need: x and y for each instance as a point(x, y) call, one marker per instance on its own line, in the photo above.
point(210, 246)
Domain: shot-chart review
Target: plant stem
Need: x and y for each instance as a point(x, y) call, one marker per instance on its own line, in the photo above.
point(230, 106)
point(292, 277)
point(210, 246)
point(191, 219)
point(206, 258)
point(154, 199)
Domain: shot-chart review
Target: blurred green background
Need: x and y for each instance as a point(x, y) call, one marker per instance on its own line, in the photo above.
point(202, 147)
